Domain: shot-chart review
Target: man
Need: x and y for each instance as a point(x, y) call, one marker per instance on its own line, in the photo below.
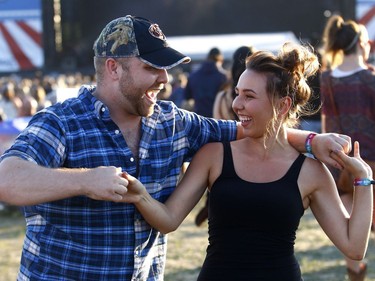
point(65, 167)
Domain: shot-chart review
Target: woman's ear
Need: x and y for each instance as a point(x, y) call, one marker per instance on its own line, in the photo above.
point(284, 105)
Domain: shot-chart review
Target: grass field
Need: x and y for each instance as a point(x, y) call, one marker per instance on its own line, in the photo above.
point(319, 259)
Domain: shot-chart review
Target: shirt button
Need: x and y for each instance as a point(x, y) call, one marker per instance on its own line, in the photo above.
point(117, 132)
point(103, 109)
point(131, 159)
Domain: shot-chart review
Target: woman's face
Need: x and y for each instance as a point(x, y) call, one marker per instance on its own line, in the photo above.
point(252, 104)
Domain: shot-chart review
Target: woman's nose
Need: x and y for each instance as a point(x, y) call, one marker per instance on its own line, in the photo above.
point(236, 104)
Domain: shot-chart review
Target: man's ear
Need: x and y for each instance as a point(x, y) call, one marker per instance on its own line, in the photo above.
point(111, 67)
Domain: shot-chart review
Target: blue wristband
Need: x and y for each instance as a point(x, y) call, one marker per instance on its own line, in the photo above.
point(363, 182)
point(308, 145)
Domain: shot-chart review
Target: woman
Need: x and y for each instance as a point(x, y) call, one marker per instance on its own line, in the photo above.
point(260, 186)
point(348, 95)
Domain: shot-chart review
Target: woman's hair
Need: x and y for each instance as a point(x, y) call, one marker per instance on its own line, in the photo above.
point(286, 76)
point(339, 38)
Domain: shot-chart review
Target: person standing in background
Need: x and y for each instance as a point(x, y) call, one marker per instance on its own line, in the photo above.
point(348, 101)
point(204, 83)
point(10, 103)
point(178, 87)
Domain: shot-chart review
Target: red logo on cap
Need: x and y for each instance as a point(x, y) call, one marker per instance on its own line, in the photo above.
point(156, 32)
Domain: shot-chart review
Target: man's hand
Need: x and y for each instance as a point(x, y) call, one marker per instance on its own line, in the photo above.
point(324, 144)
point(111, 184)
point(106, 183)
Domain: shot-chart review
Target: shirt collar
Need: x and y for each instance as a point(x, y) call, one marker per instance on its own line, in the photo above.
point(99, 108)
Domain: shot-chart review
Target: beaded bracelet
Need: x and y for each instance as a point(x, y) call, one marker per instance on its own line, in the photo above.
point(363, 182)
point(308, 145)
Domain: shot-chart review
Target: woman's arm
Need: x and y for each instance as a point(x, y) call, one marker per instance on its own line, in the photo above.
point(349, 232)
point(167, 217)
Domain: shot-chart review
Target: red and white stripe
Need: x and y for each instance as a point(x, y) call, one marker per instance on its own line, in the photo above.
point(366, 16)
point(21, 45)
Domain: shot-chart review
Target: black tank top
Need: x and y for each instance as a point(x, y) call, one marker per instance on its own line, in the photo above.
point(252, 226)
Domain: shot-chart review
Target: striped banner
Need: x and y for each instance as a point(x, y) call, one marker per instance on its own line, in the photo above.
point(21, 45)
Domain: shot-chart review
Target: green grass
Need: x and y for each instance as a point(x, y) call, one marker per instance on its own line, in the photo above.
point(12, 230)
point(319, 259)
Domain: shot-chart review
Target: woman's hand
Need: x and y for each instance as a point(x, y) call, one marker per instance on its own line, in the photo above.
point(135, 189)
point(355, 165)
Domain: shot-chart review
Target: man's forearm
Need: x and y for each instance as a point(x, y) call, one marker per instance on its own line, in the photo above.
point(321, 145)
point(297, 138)
point(26, 183)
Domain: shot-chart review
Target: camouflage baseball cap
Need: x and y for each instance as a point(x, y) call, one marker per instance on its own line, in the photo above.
point(131, 36)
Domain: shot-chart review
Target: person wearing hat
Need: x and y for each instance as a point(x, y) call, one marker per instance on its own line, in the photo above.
point(66, 168)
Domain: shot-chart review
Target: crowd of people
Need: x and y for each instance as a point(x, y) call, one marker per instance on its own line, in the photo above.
point(22, 96)
point(96, 175)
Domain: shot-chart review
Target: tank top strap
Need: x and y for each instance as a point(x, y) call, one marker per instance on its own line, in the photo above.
point(228, 165)
point(295, 169)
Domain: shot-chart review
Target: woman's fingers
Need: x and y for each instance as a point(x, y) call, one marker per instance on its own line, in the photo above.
point(356, 149)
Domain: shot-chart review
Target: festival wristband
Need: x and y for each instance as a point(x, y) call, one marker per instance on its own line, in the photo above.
point(363, 182)
point(308, 145)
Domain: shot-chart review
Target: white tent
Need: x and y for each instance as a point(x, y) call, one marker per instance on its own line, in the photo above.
point(198, 46)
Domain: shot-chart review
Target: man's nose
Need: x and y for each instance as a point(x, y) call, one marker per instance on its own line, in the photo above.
point(163, 76)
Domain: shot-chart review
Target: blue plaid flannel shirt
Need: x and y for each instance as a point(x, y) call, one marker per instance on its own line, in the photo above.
point(83, 239)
